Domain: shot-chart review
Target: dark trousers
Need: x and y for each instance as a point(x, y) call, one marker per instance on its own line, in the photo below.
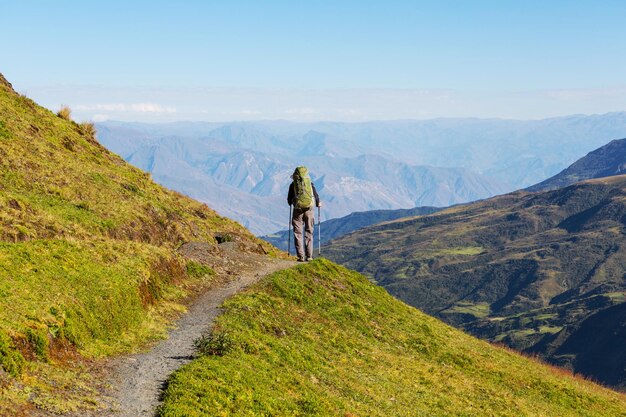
point(303, 220)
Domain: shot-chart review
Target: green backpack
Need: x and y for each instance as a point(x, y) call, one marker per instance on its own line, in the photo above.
point(302, 188)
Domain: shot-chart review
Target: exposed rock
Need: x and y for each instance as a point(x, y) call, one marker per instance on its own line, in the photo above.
point(3, 81)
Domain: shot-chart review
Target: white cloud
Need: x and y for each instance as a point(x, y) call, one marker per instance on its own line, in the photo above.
point(122, 107)
point(251, 112)
point(305, 111)
point(100, 117)
point(586, 94)
point(221, 104)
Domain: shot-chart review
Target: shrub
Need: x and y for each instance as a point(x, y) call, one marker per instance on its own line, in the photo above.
point(214, 344)
point(65, 112)
point(88, 129)
point(223, 238)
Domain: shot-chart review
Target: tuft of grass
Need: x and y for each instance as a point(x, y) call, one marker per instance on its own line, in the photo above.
point(320, 340)
point(197, 270)
point(217, 343)
point(65, 113)
point(88, 129)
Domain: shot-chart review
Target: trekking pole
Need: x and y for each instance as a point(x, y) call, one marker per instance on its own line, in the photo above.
point(289, 235)
point(319, 231)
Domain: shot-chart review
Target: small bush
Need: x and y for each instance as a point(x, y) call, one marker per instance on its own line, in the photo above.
point(88, 129)
point(223, 238)
point(65, 113)
point(214, 344)
point(131, 187)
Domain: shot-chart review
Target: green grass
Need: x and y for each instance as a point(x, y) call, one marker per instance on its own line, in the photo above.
point(322, 340)
point(462, 250)
point(94, 295)
point(88, 261)
point(475, 309)
point(617, 297)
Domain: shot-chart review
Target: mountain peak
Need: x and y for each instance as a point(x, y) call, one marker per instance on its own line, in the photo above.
point(609, 160)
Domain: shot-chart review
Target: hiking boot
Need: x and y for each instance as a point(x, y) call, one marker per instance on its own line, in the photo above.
point(301, 260)
point(309, 258)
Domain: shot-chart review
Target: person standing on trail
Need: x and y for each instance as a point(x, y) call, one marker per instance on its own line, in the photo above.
point(303, 197)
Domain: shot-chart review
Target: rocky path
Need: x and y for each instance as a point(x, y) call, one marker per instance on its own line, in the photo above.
point(138, 380)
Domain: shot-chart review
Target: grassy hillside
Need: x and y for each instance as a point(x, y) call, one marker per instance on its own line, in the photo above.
point(88, 261)
point(319, 340)
point(525, 269)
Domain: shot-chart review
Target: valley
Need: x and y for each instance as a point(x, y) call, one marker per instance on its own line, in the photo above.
point(530, 270)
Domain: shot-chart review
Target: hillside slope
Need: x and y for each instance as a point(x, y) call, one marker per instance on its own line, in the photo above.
point(335, 228)
point(319, 340)
point(606, 161)
point(525, 269)
point(88, 260)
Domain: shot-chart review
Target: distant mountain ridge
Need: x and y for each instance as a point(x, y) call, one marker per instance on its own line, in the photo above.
point(234, 170)
point(606, 161)
point(334, 228)
point(243, 168)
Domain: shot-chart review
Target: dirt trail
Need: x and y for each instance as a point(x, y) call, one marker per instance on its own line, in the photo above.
point(138, 379)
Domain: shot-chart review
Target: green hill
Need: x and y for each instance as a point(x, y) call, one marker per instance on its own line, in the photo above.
point(319, 340)
point(524, 269)
point(88, 261)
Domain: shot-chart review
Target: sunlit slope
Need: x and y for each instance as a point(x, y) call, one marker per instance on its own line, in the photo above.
point(322, 340)
point(525, 269)
point(88, 263)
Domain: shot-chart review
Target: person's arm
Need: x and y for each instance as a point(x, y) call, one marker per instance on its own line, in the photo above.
point(318, 203)
point(290, 194)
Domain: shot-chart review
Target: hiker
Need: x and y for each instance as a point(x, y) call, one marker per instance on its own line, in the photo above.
point(302, 196)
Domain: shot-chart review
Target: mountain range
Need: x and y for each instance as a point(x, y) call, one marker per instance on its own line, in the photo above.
point(243, 168)
point(543, 272)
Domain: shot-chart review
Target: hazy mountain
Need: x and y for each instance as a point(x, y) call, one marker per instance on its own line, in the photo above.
point(360, 166)
point(531, 270)
point(603, 162)
point(241, 173)
point(334, 228)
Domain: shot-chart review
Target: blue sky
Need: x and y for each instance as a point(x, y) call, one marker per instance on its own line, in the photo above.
point(331, 60)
